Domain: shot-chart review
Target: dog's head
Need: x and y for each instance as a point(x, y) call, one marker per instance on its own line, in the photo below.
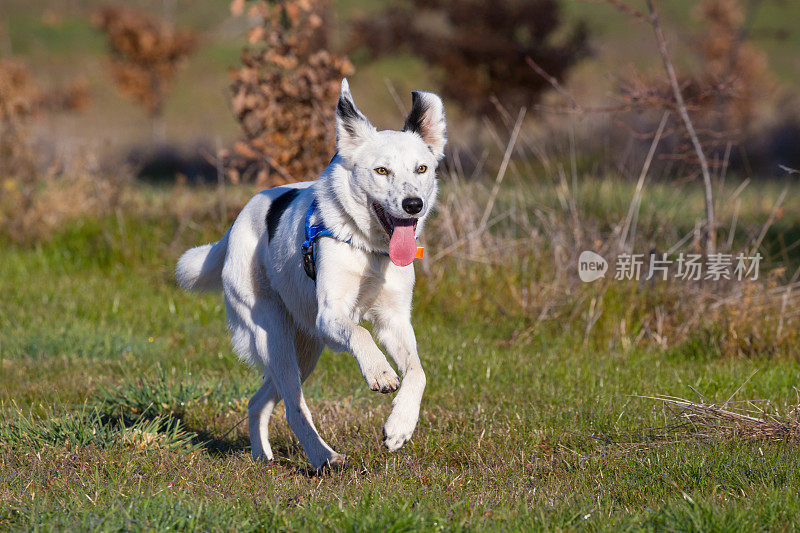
point(394, 171)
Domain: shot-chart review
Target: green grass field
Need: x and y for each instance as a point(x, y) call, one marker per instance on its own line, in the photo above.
point(122, 406)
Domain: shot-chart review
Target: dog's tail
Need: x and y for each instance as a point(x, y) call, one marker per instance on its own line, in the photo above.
point(200, 269)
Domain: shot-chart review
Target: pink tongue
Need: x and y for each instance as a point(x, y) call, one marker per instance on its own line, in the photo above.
point(403, 245)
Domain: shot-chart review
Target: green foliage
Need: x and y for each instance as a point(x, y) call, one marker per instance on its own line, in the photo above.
point(161, 396)
point(92, 427)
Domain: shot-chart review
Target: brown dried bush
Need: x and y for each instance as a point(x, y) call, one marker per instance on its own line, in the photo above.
point(36, 197)
point(18, 172)
point(284, 94)
point(146, 54)
point(20, 96)
point(480, 46)
point(732, 63)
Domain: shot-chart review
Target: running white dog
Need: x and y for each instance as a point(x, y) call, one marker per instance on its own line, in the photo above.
point(288, 291)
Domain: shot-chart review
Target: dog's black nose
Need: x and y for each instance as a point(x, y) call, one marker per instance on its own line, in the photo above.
point(412, 206)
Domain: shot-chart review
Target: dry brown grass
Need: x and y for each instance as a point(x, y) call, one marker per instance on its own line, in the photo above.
point(529, 267)
point(36, 202)
point(747, 420)
point(516, 245)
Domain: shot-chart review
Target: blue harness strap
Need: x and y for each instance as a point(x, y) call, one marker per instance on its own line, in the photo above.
point(309, 246)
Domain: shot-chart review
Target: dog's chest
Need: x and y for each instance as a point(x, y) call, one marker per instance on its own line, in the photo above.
point(369, 291)
point(369, 283)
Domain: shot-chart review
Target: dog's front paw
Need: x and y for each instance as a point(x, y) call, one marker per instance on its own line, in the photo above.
point(397, 431)
point(384, 379)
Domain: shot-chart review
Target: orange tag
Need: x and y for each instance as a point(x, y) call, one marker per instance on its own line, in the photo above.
point(420, 252)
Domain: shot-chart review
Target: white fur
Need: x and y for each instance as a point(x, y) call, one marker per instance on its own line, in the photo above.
point(200, 269)
point(280, 319)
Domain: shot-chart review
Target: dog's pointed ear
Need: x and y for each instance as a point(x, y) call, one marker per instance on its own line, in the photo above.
point(427, 120)
point(352, 127)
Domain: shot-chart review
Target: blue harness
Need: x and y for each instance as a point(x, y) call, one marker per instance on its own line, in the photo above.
point(309, 246)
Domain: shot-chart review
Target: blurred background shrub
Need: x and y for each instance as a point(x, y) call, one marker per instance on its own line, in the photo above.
point(145, 55)
point(478, 48)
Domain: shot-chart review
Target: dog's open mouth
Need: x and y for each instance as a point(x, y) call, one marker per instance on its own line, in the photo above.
point(402, 238)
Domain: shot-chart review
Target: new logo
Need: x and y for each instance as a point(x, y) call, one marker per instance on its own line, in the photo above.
point(591, 266)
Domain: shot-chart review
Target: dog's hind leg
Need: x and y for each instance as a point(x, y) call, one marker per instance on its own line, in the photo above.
point(274, 339)
point(308, 350)
point(259, 410)
point(263, 334)
point(263, 402)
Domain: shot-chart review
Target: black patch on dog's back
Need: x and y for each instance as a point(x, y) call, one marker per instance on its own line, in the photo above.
point(276, 209)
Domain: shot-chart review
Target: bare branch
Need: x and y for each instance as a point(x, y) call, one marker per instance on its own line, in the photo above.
point(622, 6)
point(552, 81)
point(583, 110)
point(711, 233)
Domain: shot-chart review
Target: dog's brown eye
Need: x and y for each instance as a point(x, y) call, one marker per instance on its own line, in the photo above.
point(422, 169)
point(382, 171)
